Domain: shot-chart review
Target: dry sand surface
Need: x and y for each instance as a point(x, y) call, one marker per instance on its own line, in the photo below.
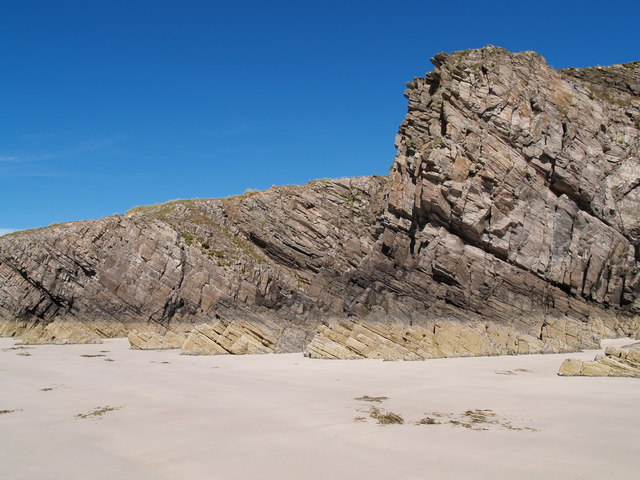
point(107, 412)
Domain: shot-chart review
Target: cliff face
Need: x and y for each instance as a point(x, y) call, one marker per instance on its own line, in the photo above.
point(508, 224)
point(277, 260)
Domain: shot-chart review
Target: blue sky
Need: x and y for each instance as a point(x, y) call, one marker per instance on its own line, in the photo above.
point(105, 105)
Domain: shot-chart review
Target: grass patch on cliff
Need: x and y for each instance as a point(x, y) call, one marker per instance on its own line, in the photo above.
point(158, 207)
point(161, 210)
point(138, 209)
point(241, 244)
point(189, 238)
point(248, 193)
point(350, 199)
point(438, 142)
point(39, 229)
point(191, 214)
point(602, 95)
point(196, 217)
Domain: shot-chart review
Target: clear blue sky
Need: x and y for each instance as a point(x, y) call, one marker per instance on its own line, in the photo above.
point(109, 104)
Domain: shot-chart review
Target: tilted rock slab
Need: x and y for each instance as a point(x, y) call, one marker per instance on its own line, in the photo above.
point(60, 333)
point(344, 339)
point(614, 363)
point(237, 337)
point(149, 340)
point(356, 339)
point(509, 220)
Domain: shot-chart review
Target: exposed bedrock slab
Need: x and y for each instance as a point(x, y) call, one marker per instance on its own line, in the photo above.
point(150, 340)
point(237, 337)
point(357, 339)
point(614, 363)
point(60, 332)
point(508, 220)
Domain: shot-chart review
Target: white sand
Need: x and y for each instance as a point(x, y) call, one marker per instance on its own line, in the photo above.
point(288, 417)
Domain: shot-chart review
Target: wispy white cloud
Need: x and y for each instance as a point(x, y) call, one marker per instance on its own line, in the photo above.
point(86, 146)
point(81, 148)
point(5, 231)
point(94, 144)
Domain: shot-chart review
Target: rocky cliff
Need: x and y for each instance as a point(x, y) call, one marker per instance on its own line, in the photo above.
point(508, 224)
point(264, 266)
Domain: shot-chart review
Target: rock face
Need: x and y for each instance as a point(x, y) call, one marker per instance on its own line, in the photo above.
point(273, 259)
point(614, 363)
point(508, 224)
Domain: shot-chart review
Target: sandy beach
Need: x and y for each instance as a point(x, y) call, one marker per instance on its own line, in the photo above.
point(105, 411)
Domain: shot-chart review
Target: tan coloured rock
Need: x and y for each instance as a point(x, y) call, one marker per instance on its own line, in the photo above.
point(347, 340)
point(59, 333)
point(155, 341)
point(571, 367)
point(236, 337)
point(9, 328)
point(614, 363)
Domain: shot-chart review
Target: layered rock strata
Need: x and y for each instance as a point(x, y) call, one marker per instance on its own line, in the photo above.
point(508, 224)
point(280, 257)
point(357, 339)
point(236, 337)
point(614, 363)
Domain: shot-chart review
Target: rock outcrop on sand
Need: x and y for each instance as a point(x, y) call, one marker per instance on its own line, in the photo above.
point(614, 363)
point(508, 224)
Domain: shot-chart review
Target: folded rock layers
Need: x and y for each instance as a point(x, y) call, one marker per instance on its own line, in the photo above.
point(507, 224)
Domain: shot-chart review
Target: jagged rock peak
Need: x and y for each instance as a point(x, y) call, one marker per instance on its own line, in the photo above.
point(475, 55)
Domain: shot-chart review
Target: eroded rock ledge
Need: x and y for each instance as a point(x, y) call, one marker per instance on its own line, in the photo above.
point(614, 363)
point(220, 337)
point(357, 339)
point(508, 224)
